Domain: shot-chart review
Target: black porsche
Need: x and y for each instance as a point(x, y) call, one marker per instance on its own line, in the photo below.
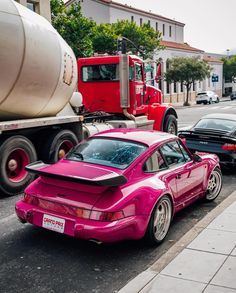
point(213, 133)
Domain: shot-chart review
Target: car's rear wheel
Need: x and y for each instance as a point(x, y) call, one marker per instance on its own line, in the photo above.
point(214, 185)
point(160, 221)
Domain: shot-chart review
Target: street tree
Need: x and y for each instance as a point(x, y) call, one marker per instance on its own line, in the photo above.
point(229, 69)
point(76, 29)
point(144, 39)
point(187, 70)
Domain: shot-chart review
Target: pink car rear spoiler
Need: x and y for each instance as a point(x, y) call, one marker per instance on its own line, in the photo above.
point(111, 179)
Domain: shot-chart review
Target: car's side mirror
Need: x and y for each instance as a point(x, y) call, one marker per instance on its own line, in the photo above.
point(196, 158)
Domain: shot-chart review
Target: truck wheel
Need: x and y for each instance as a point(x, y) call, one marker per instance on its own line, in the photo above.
point(15, 153)
point(58, 144)
point(170, 125)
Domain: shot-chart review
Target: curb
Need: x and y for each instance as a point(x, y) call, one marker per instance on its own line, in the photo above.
point(144, 278)
point(178, 106)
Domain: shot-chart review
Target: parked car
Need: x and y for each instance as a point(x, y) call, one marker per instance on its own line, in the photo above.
point(119, 184)
point(214, 133)
point(233, 96)
point(207, 97)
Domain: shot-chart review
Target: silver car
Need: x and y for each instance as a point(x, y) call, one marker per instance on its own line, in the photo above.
point(207, 97)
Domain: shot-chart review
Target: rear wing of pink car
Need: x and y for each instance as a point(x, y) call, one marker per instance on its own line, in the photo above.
point(112, 179)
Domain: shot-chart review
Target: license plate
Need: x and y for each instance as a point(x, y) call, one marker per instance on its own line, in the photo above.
point(53, 223)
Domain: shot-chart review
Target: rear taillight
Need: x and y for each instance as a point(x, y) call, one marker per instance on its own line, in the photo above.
point(77, 212)
point(229, 147)
point(106, 216)
point(30, 199)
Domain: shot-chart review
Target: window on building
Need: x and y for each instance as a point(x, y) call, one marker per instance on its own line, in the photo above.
point(141, 21)
point(170, 31)
point(194, 86)
point(181, 86)
point(175, 87)
point(156, 26)
point(163, 29)
point(149, 23)
point(31, 6)
point(132, 18)
point(167, 87)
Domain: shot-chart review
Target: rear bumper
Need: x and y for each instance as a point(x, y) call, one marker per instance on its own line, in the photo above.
point(133, 227)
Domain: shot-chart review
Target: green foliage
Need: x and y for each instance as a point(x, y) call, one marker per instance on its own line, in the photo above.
point(187, 70)
point(229, 68)
point(86, 37)
point(76, 29)
point(145, 38)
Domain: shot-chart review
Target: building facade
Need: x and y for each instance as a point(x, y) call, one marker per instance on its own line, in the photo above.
point(41, 7)
point(107, 11)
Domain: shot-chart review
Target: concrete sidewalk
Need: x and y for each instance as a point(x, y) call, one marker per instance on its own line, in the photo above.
point(203, 260)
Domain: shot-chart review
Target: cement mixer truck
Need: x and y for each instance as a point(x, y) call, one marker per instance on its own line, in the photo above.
point(41, 117)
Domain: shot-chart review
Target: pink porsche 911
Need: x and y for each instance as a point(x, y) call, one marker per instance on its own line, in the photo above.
point(119, 184)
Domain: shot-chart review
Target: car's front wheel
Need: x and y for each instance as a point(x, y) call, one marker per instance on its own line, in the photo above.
point(214, 185)
point(159, 222)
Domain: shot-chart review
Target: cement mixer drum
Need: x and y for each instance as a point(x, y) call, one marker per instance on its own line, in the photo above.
point(38, 71)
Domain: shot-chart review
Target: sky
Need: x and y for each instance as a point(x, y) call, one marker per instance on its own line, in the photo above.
point(210, 25)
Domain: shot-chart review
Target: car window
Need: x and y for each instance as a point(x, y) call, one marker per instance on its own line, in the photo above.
point(172, 153)
point(218, 124)
point(184, 152)
point(115, 153)
point(155, 163)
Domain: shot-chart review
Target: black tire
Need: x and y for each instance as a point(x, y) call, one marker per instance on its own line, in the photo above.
point(214, 185)
point(170, 125)
point(217, 100)
point(15, 153)
point(57, 145)
point(163, 207)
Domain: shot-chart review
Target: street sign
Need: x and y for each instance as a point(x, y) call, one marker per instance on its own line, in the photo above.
point(215, 78)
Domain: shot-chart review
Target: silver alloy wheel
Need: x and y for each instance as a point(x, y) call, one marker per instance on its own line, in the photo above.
point(214, 185)
point(162, 218)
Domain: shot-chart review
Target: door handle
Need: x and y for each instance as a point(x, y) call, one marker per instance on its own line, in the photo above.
point(178, 176)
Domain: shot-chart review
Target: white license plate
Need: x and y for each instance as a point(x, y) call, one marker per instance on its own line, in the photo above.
point(53, 223)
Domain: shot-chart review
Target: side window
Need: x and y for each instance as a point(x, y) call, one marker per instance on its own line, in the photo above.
point(155, 163)
point(172, 153)
point(138, 72)
point(186, 155)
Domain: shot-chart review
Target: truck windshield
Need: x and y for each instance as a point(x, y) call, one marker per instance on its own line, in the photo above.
point(115, 153)
point(102, 72)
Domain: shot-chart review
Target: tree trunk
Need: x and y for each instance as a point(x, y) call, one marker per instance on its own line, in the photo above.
point(188, 87)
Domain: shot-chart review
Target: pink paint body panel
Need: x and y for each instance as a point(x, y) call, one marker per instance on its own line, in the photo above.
point(132, 202)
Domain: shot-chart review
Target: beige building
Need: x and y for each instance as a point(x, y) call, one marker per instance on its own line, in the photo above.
point(41, 7)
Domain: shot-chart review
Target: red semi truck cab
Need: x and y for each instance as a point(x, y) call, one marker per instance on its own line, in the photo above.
point(117, 85)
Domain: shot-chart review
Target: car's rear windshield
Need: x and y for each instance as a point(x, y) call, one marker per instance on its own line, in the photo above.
point(218, 124)
point(115, 153)
point(202, 93)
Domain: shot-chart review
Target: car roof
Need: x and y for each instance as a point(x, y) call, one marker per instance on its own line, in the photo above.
point(148, 137)
point(220, 116)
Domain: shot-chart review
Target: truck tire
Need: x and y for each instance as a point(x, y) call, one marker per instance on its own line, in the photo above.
point(170, 125)
point(15, 153)
point(57, 145)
